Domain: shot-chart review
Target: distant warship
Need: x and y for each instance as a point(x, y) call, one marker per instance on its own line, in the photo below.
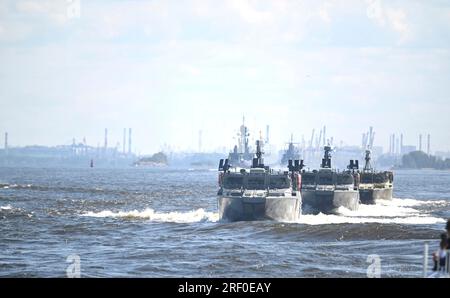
point(325, 190)
point(375, 185)
point(258, 192)
point(241, 156)
point(292, 153)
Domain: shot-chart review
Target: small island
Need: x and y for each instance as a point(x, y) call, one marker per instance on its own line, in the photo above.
point(156, 160)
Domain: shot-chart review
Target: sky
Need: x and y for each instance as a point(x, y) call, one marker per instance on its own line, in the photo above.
point(71, 68)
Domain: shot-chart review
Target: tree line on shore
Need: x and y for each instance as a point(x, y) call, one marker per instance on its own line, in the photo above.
point(420, 160)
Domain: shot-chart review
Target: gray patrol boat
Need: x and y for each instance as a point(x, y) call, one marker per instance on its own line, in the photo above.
point(292, 152)
point(374, 185)
point(241, 156)
point(258, 192)
point(325, 190)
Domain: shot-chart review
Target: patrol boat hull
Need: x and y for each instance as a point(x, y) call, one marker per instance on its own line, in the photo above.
point(371, 196)
point(308, 197)
point(259, 208)
point(328, 201)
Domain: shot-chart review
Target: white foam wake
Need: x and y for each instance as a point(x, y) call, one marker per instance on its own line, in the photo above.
point(411, 202)
point(199, 215)
point(323, 219)
point(395, 211)
point(378, 211)
point(7, 207)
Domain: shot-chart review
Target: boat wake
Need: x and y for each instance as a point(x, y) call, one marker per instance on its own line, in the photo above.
point(412, 202)
point(199, 215)
point(323, 219)
point(395, 211)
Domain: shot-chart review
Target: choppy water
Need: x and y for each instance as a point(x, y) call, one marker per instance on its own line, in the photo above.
point(163, 223)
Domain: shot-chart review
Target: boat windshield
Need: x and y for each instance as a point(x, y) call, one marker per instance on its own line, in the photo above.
point(366, 178)
point(326, 179)
point(344, 179)
point(308, 178)
point(381, 178)
point(278, 182)
point(233, 182)
point(257, 183)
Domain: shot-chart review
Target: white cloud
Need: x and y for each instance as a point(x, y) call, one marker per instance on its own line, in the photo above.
point(190, 70)
point(247, 11)
point(55, 10)
point(398, 21)
point(375, 11)
point(390, 17)
point(324, 12)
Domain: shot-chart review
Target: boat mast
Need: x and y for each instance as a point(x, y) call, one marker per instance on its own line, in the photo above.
point(258, 162)
point(368, 165)
point(326, 160)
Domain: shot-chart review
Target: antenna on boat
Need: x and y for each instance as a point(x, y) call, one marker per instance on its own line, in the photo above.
point(326, 160)
point(258, 162)
point(295, 165)
point(367, 158)
point(224, 165)
point(354, 165)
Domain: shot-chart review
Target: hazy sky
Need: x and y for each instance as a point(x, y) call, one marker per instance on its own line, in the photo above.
point(170, 68)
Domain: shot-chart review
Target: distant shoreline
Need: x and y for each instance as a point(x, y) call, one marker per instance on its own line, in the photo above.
point(419, 169)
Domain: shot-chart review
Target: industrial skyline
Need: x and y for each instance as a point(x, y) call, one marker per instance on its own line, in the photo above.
point(397, 146)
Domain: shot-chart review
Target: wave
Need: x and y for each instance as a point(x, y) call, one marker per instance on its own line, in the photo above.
point(411, 202)
point(378, 211)
point(391, 208)
point(7, 207)
point(323, 219)
point(10, 212)
point(199, 215)
point(18, 186)
point(395, 211)
point(72, 189)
